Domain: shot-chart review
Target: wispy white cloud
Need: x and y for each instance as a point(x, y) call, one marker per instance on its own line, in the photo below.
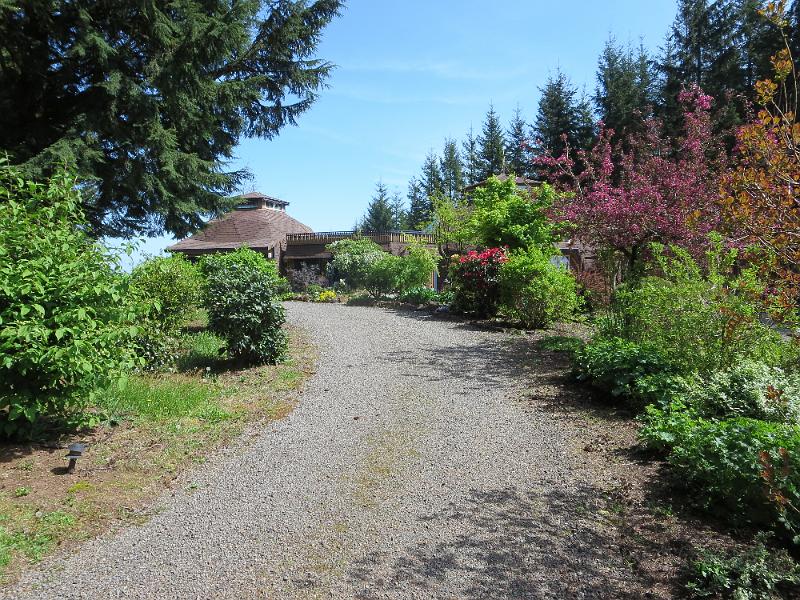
point(454, 70)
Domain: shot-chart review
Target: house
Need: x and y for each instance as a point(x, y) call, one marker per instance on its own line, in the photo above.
point(260, 222)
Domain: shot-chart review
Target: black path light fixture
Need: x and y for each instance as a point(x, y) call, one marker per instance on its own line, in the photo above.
point(75, 452)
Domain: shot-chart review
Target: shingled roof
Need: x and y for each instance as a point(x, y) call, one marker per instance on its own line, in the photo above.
point(258, 228)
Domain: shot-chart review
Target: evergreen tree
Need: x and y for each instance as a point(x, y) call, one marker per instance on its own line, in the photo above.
point(561, 113)
point(472, 164)
point(517, 151)
point(491, 146)
point(380, 213)
point(419, 207)
point(452, 170)
point(624, 93)
point(147, 100)
point(399, 212)
point(431, 179)
point(757, 39)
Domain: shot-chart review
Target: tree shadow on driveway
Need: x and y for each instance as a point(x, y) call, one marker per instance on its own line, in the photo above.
point(505, 543)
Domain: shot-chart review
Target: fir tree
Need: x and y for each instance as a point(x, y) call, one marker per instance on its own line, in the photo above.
point(147, 100)
point(561, 113)
point(517, 152)
point(380, 213)
point(491, 146)
point(419, 207)
point(452, 170)
point(399, 212)
point(472, 165)
point(624, 94)
point(431, 179)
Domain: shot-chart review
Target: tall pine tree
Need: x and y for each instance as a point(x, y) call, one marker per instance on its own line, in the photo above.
point(419, 206)
point(380, 213)
point(517, 151)
point(472, 163)
point(452, 170)
point(561, 113)
point(148, 100)
point(625, 87)
point(399, 212)
point(491, 146)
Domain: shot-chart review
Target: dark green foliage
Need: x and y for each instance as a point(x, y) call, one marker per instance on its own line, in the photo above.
point(399, 212)
point(625, 88)
point(419, 207)
point(636, 374)
point(452, 171)
point(380, 213)
point(491, 147)
point(536, 292)
point(149, 100)
point(65, 325)
point(244, 309)
point(742, 468)
point(759, 573)
point(517, 151)
point(506, 216)
point(419, 295)
point(561, 113)
point(397, 274)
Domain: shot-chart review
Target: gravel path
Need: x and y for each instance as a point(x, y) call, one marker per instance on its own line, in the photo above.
point(410, 469)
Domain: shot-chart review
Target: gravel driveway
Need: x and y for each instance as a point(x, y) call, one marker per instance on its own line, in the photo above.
point(410, 469)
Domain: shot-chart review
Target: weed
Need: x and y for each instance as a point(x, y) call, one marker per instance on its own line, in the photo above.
point(21, 491)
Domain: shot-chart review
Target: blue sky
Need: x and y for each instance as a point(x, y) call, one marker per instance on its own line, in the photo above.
point(412, 72)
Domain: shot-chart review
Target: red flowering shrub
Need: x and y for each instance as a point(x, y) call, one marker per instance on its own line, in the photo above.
point(475, 279)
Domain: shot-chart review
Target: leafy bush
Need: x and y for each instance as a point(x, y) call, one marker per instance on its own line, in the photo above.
point(65, 323)
point(384, 275)
point(475, 281)
point(506, 216)
point(243, 309)
point(704, 322)
point(742, 467)
point(419, 295)
point(750, 389)
point(245, 257)
point(757, 574)
point(352, 259)
point(416, 267)
point(173, 285)
point(536, 292)
point(639, 374)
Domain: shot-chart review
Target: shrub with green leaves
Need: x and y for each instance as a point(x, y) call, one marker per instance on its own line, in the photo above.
point(637, 374)
point(536, 292)
point(745, 468)
point(384, 275)
point(246, 257)
point(760, 573)
point(703, 319)
point(65, 323)
point(172, 285)
point(244, 309)
point(419, 295)
point(352, 259)
point(750, 389)
point(417, 265)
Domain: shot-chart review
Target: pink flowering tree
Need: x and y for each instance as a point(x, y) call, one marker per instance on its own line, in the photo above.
point(656, 190)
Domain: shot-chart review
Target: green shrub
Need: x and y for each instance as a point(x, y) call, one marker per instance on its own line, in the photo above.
point(352, 259)
point(750, 389)
point(536, 292)
point(743, 468)
point(65, 322)
point(638, 374)
point(173, 285)
point(417, 266)
point(383, 275)
point(703, 322)
point(760, 573)
point(419, 295)
point(245, 257)
point(243, 309)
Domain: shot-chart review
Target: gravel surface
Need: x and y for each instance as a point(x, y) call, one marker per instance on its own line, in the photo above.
point(410, 469)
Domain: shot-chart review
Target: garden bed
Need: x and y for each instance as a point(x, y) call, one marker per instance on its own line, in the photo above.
point(159, 427)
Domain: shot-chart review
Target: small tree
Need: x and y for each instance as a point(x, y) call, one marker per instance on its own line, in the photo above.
point(352, 259)
point(172, 284)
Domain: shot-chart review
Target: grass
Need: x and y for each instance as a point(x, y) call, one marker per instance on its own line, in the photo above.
point(165, 423)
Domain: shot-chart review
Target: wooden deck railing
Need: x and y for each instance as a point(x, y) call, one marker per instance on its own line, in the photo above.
point(379, 237)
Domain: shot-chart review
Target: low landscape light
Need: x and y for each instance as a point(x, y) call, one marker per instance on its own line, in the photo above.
point(75, 452)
